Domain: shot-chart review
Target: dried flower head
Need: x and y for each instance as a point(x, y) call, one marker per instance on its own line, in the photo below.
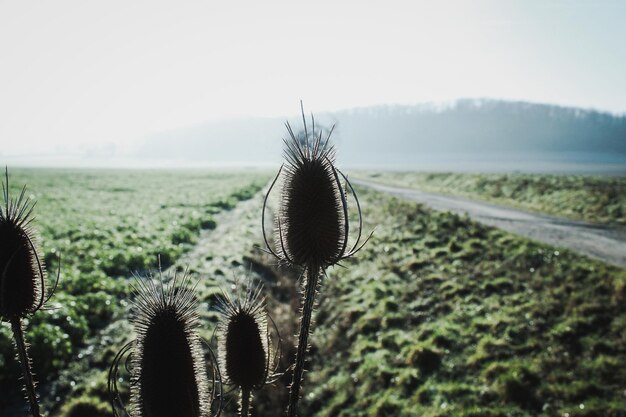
point(312, 226)
point(244, 344)
point(22, 274)
point(168, 373)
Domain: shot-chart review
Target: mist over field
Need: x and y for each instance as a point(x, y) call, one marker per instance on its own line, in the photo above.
point(462, 135)
point(465, 135)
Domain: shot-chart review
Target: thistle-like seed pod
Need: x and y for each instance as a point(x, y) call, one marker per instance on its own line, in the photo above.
point(312, 227)
point(312, 224)
point(22, 274)
point(168, 373)
point(244, 345)
point(312, 209)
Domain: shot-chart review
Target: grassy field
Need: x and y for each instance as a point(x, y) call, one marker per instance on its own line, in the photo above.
point(107, 225)
point(437, 316)
point(594, 199)
point(441, 316)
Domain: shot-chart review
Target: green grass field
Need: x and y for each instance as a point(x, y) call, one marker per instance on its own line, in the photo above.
point(436, 316)
point(107, 225)
point(594, 199)
point(441, 316)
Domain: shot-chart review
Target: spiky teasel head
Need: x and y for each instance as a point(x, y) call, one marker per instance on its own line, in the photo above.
point(22, 274)
point(245, 353)
point(312, 226)
point(168, 374)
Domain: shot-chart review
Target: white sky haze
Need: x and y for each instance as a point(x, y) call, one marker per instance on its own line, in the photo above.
point(77, 74)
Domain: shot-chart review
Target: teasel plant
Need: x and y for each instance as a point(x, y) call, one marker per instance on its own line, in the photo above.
point(166, 360)
point(22, 278)
point(247, 357)
point(312, 226)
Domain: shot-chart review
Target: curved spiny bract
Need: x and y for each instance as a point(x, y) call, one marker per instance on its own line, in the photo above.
point(22, 274)
point(168, 375)
point(244, 346)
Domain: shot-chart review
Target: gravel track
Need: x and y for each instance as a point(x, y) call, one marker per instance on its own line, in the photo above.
point(601, 242)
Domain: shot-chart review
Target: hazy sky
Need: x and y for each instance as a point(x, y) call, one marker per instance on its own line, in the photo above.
point(75, 74)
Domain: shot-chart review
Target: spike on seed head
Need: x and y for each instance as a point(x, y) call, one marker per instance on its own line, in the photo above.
point(168, 373)
point(243, 340)
point(21, 273)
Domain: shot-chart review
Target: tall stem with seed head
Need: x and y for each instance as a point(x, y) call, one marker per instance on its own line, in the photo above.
point(312, 274)
point(22, 353)
point(22, 276)
point(244, 346)
point(312, 224)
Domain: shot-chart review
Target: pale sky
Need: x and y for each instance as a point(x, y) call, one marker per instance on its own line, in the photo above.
point(80, 74)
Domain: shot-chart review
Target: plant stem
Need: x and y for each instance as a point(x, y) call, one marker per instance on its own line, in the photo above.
point(245, 402)
point(312, 274)
point(22, 354)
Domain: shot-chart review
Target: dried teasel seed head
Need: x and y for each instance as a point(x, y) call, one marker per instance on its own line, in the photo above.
point(168, 373)
point(22, 275)
point(312, 224)
point(311, 217)
point(243, 340)
point(245, 353)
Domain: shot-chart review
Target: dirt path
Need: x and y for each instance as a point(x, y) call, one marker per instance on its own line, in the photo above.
point(220, 254)
point(600, 242)
point(231, 251)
